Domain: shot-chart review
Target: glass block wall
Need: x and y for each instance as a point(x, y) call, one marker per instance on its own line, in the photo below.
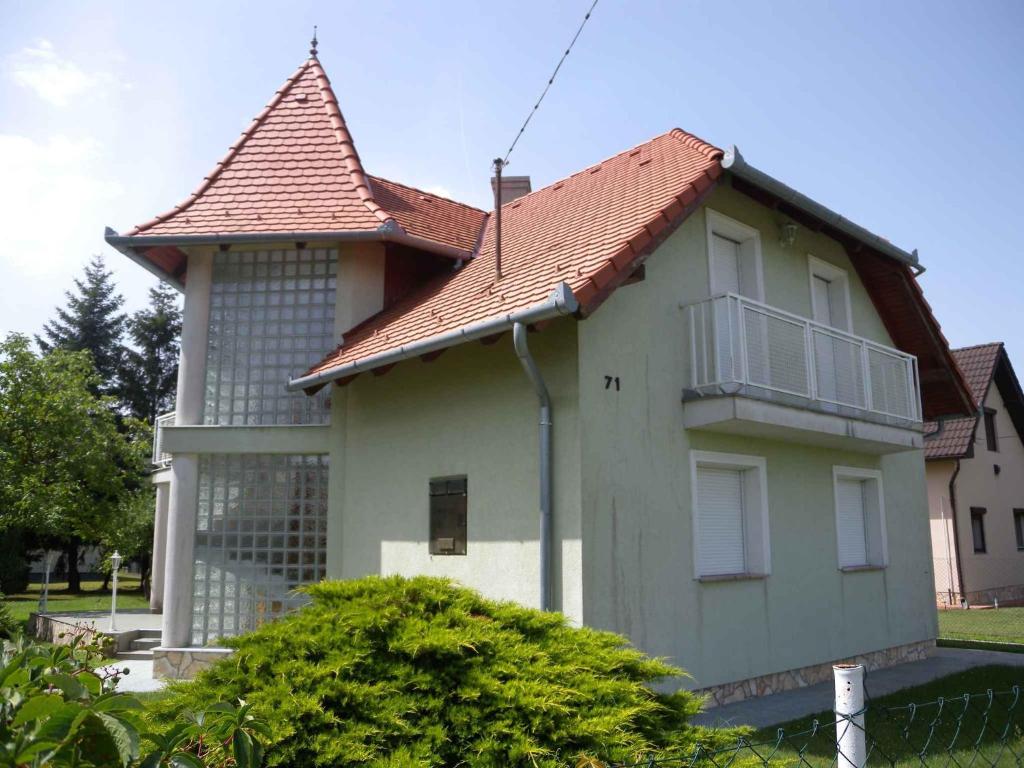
point(261, 531)
point(271, 318)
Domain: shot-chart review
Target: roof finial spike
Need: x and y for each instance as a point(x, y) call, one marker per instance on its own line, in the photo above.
point(312, 43)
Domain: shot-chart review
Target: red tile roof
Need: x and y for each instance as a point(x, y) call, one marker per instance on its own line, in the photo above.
point(589, 231)
point(978, 365)
point(296, 169)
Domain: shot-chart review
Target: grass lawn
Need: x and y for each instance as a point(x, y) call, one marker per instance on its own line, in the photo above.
point(996, 625)
point(92, 598)
point(899, 734)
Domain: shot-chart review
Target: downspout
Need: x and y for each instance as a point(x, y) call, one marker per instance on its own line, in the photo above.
point(532, 372)
point(956, 531)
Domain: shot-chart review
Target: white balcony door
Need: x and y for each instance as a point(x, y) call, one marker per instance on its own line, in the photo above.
point(835, 358)
point(725, 263)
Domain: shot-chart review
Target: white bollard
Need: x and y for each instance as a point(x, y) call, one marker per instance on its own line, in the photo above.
point(850, 736)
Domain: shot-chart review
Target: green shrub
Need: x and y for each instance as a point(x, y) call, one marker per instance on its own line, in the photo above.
point(418, 672)
point(9, 626)
point(58, 710)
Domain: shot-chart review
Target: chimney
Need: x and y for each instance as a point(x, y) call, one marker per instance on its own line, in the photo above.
point(512, 187)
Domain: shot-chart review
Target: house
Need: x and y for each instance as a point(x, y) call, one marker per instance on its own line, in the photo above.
point(975, 469)
point(685, 403)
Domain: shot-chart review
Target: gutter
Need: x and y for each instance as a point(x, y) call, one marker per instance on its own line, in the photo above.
point(734, 162)
point(560, 302)
point(387, 233)
point(544, 460)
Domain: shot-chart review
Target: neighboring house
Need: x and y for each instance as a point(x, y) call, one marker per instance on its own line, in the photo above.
point(689, 409)
point(976, 486)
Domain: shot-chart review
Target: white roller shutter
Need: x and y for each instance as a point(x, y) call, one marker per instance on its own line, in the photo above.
point(720, 521)
point(725, 264)
point(850, 522)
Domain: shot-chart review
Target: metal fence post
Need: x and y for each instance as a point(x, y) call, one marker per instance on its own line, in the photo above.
point(849, 708)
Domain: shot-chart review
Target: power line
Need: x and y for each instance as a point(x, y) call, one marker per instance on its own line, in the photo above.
point(550, 81)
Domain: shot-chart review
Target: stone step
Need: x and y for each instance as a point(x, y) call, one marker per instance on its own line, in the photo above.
point(145, 643)
point(149, 633)
point(134, 655)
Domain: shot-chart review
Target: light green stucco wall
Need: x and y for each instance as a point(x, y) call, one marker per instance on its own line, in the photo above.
point(637, 555)
point(472, 412)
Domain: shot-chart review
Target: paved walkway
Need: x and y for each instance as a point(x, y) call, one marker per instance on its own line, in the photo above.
point(139, 678)
point(789, 705)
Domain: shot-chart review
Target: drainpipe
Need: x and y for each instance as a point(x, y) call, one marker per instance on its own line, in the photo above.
point(956, 531)
point(532, 372)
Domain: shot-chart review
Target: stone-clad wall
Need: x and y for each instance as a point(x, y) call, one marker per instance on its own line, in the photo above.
point(817, 673)
point(185, 663)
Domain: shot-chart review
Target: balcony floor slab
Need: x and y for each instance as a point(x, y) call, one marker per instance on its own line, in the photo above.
point(741, 415)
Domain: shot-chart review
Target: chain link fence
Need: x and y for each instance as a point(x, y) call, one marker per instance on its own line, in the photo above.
point(994, 625)
point(979, 730)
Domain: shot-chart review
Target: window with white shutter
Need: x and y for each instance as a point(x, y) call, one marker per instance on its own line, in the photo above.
point(734, 257)
point(730, 515)
point(860, 518)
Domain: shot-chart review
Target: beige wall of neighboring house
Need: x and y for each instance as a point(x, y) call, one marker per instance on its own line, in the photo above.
point(998, 572)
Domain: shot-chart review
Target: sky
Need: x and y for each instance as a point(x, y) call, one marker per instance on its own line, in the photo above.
point(904, 117)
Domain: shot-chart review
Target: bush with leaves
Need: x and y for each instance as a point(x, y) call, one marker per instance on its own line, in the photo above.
point(9, 626)
point(57, 709)
point(393, 671)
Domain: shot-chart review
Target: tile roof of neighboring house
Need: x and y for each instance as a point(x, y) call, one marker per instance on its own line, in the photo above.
point(978, 365)
point(588, 231)
point(295, 169)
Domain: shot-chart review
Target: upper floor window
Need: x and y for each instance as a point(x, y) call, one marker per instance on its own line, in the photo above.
point(448, 513)
point(271, 317)
point(991, 438)
point(830, 295)
point(734, 257)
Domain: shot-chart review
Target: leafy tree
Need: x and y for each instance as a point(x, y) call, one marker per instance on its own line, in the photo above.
point(150, 371)
point(92, 322)
point(399, 672)
point(65, 468)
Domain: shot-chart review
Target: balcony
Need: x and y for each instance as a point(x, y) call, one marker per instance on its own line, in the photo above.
point(161, 459)
point(756, 370)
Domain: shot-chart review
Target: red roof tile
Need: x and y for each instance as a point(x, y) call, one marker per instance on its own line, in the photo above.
point(588, 231)
point(978, 365)
point(296, 169)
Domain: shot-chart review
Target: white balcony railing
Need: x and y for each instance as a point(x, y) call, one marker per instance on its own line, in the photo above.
point(738, 344)
point(161, 459)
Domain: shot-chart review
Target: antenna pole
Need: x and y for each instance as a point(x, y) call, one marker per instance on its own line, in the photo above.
point(499, 164)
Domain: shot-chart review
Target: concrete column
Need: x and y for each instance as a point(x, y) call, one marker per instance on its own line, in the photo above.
point(181, 513)
point(156, 573)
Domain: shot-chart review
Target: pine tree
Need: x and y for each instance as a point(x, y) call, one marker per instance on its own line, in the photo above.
point(92, 321)
point(150, 371)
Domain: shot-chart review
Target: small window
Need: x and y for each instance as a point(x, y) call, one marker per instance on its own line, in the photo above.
point(448, 505)
point(860, 518)
point(730, 515)
point(991, 439)
point(734, 257)
point(1018, 527)
point(978, 528)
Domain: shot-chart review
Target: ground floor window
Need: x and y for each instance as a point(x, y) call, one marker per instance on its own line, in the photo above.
point(1018, 527)
point(860, 517)
point(978, 528)
point(730, 515)
point(261, 531)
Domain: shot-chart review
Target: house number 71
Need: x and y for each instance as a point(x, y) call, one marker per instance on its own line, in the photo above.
point(609, 380)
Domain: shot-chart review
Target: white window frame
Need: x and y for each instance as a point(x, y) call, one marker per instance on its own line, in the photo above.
point(875, 533)
point(749, 239)
point(832, 273)
point(757, 547)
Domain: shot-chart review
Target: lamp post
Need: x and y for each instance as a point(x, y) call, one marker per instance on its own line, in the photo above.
point(49, 560)
point(115, 563)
